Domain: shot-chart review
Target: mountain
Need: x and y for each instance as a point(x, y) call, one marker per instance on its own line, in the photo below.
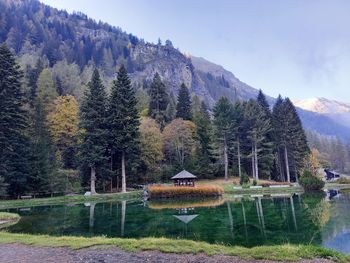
point(333, 117)
point(323, 106)
point(33, 30)
point(72, 44)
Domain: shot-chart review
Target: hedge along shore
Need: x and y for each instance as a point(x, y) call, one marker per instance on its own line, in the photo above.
point(285, 252)
point(68, 199)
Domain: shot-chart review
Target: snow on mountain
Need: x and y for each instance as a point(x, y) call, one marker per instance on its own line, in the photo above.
point(323, 106)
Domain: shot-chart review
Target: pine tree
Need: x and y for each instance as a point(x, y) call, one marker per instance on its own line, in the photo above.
point(261, 99)
point(223, 124)
point(256, 127)
point(159, 100)
point(123, 121)
point(290, 139)
point(32, 78)
point(43, 161)
point(298, 141)
point(280, 132)
point(93, 125)
point(42, 151)
point(204, 133)
point(14, 144)
point(237, 119)
point(183, 106)
point(266, 159)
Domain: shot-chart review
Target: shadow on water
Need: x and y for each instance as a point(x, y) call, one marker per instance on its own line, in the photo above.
point(318, 218)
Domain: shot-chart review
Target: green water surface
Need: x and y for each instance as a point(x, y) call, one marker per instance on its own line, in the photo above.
point(249, 221)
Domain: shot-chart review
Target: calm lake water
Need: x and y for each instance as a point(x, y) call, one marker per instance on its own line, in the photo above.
point(306, 219)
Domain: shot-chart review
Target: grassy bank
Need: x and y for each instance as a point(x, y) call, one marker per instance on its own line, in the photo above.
point(67, 199)
point(8, 219)
point(229, 185)
point(280, 252)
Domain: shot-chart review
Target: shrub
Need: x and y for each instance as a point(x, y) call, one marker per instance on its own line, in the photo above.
point(244, 179)
point(310, 182)
point(268, 184)
point(343, 180)
point(161, 191)
point(254, 182)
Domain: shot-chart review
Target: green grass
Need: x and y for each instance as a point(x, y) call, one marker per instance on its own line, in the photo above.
point(281, 252)
point(265, 190)
point(337, 186)
point(8, 219)
point(8, 216)
point(67, 199)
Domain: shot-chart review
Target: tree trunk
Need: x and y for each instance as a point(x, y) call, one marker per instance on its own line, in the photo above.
point(253, 163)
point(226, 159)
point(122, 224)
point(93, 180)
point(92, 215)
point(111, 184)
point(256, 162)
point(286, 163)
point(230, 217)
point(123, 174)
point(293, 213)
point(239, 159)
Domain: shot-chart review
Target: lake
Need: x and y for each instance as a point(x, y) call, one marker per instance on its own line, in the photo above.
point(250, 221)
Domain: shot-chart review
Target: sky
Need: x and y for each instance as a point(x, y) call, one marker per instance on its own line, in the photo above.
point(297, 48)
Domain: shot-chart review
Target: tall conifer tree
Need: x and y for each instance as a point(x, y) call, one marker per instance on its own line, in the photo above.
point(223, 127)
point(183, 106)
point(267, 151)
point(123, 121)
point(14, 144)
point(93, 112)
point(159, 100)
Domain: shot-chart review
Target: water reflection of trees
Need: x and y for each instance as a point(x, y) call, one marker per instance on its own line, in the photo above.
point(339, 217)
point(247, 222)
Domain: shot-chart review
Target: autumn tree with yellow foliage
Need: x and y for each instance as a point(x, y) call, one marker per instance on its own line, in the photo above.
point(63, 125)
point(313, 161)
point(151, 143)
point(179, 138)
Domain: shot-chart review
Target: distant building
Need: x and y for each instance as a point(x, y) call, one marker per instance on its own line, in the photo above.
point(184, 178)
point(331, 175)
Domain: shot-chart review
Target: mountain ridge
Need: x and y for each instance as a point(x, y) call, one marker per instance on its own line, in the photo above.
point(322, 105)
point(34, 30)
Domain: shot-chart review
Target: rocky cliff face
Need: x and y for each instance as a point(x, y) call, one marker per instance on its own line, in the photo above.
point(204, 79)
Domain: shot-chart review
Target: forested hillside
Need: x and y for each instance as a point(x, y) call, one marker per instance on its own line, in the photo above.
point(85, 105)
point(72, 45)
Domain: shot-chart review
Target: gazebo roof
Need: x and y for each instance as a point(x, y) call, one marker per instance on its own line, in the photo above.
point(184, 175)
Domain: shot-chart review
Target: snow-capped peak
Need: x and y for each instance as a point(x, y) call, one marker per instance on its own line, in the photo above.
point(322, 105)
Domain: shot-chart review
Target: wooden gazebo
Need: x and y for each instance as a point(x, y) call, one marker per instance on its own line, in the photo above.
point(184, 178)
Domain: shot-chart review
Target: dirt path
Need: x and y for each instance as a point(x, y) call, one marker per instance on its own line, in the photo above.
point(15, 253)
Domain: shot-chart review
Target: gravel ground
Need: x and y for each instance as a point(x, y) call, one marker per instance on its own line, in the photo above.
point(16, 253)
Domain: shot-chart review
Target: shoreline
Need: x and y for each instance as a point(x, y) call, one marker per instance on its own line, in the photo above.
point(286, 252)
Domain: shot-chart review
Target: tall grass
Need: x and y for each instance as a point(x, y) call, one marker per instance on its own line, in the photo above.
point(160, 191)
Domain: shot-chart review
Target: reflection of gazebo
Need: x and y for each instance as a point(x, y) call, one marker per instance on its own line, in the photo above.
point(184, 178)
point(186, 218)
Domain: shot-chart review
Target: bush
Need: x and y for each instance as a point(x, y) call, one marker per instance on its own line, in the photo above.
point(244, 179)
point(268, 184)
point(254, 182)
point(162, 191)
point(343, 180)
point(310, 182)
